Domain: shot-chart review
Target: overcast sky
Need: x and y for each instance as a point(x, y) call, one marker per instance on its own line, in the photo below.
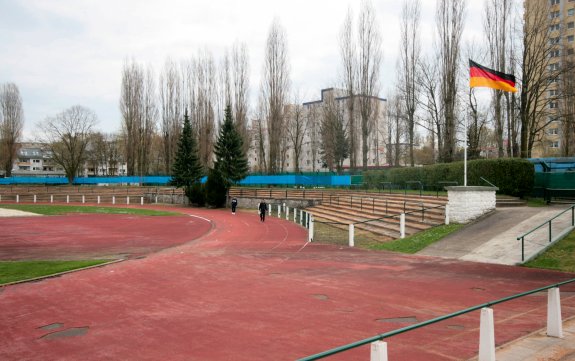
point(62, 53)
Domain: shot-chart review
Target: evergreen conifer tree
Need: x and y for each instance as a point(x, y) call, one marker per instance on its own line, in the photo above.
point(231, 161)
point(187, 169)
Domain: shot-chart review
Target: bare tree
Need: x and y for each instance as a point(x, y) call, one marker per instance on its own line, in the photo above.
point(296, 130)
point(205, 106)
point(429, 84)
point(449, 22)
point(567, 110)
point(396, 130)
point(240, 76)
point(410, 51)
point(275, 90)
point(370, 55)
point(11, 124)
point(171, 113)
point(497, 13)
point(148, 122)
point(349, 76)
point(67, 136)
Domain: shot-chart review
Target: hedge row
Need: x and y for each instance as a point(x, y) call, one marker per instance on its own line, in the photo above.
point(512, 176)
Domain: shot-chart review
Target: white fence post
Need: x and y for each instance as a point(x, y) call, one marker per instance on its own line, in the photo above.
point(127, 199)
point(142, 200)
point(34, 198)
point(554, 324)
point(486, 335)
point(310, 231)
point(156, 199)
point(378, 351)
point(446, 214)
point(113, 199)
point(83, 199)
point(270, 210)
point(67, 198)
point(279, 210)
point(351, 235)
point(402, 226)
point(287, 213)
point(98, 199)
point(17, 198)
point(51, 198)
point(294, 214)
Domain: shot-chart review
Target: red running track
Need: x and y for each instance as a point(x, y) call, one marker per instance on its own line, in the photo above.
point(247, 290)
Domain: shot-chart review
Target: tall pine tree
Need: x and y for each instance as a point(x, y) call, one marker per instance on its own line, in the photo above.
point(231, 161)
point(187, 170)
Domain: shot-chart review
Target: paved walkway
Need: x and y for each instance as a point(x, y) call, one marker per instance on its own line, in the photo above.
point(493, 239)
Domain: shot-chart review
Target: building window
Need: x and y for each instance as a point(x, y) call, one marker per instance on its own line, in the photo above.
point(554, 66)
point(553, 92)
point(554, 144)
point(554, 41)
point(570, 51)
point(555, 53)
point(554, 2)
point(571, 12)
point(570, 38)
point(555, 14)
point(554, 105)
point(553, 131)
point(554, 27)
point(571, 25)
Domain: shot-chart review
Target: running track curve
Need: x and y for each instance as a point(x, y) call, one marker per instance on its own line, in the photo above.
point(247, 290)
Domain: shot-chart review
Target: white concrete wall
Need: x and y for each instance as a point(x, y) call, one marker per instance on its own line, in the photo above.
point(469, 203)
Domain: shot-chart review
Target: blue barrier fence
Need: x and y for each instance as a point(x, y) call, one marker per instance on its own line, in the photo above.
point(280, 180)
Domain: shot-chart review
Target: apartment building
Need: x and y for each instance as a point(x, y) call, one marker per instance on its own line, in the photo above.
point(312, 113)
point(557, 137)
point(34, 160)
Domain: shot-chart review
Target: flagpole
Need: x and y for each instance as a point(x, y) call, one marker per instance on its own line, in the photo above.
point(465, 155)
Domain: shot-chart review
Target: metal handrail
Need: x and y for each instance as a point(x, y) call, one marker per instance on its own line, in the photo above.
point(488, 182)
point(352, 345)
point(522, 237)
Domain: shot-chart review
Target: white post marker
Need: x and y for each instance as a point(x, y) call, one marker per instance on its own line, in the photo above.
point(310, 231)
point(554, 324)
point(156, 199)
point(351, 235)
point(270, 210)
point(287, 213)
point(83, 199)
point(279, 210)
point(98, 199)
point(34, 198)
point(486, 336)
point(113, 199)
point(446, 214)
point(17, 198)
point(378, 351)
point(294, 214)
point(51, 198)
point(67, 199)
point(142, 200)
point(128, 200)
point(402, 226)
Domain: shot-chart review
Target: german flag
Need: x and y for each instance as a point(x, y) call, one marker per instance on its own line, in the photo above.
point(480, 76)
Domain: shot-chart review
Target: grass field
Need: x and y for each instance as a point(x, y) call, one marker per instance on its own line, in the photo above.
point(50, 209)
point(12, 271)
point(560, 257)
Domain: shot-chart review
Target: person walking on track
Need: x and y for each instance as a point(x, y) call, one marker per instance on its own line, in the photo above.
point(263, 207)
point(234, 205)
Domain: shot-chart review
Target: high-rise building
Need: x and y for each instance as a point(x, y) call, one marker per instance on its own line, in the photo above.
point(555, 19)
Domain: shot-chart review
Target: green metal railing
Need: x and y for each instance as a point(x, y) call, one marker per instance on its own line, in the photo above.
point(425, 323)
point(549, 223)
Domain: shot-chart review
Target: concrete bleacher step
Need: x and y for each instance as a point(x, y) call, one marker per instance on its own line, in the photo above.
point(509, 201)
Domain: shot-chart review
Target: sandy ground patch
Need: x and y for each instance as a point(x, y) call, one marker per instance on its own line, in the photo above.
point(15, 213)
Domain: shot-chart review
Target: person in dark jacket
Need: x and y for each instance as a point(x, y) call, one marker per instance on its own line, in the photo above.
point(263, 207)
point(234, 205)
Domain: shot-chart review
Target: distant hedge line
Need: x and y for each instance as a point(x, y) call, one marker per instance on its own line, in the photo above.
point(512, 176)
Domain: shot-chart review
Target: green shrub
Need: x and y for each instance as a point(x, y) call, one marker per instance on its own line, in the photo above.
point(512, 176)
point(196, 194)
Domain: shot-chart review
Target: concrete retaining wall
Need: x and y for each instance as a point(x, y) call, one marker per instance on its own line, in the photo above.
point(468, 203)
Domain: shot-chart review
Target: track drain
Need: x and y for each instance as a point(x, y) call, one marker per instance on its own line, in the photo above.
point(69, 332)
